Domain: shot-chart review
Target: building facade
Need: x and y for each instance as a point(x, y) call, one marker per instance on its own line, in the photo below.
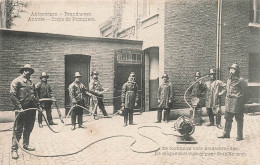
point(193, 35)
point(141, 20)
point(61, 56)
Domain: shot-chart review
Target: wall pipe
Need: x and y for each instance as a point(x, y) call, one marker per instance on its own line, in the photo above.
point(219, 31)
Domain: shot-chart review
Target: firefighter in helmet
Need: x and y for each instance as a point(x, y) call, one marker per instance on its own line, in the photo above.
point(129, 98)
point(165, 99)
point(236, 97)
point(214, 90)
point(78, 95)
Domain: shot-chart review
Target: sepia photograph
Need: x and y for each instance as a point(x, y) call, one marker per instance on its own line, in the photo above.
point(129, 82)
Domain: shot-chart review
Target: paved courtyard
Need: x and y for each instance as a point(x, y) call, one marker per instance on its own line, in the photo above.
point(118, 150)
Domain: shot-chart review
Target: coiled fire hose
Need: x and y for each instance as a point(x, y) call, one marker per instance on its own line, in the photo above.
point(102, 139)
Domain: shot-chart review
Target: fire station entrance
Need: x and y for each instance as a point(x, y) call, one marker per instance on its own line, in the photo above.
point(75, 63)
point(127, 61)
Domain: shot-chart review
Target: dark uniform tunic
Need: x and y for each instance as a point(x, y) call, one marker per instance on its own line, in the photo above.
point(23, 95)
point(214, 89)
point(235, 99)
point(44, 91)
point(95, 88)
point(165, 94)
point(129, 97)
point(197, 90)
point(77, 93)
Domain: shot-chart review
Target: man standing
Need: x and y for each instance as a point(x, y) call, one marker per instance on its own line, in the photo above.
point(196, 91)
point(23, 95)
point(44, 91)
point(77, 92)
point(165, 98)
point(235, 100)
point(129, 98)
point(214, 90)
point(96, 89)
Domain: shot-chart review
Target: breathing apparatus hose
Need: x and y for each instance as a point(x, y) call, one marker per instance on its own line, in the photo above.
point(190, 87)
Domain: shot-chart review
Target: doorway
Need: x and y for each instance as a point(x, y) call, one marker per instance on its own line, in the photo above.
point(127, 61)
point(153, 54)
point(76, 63)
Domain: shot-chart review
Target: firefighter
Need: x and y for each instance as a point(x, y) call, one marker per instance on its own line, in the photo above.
point(214, 90)
point(78, 95)
point(129, 98)
point(23, 95)
point(236, 97)
point(165, 99)
point(95, 88)
point(197, 91)
point(44, 91)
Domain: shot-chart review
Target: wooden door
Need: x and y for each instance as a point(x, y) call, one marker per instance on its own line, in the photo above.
point(76, 63)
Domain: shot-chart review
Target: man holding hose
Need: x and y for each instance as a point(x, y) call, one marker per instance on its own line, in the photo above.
point(23, 95)
point(77, 92)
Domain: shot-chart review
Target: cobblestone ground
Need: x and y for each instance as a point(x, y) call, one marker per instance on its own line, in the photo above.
point(208, 150)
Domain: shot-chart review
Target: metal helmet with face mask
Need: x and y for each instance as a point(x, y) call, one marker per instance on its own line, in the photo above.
point(132, 77)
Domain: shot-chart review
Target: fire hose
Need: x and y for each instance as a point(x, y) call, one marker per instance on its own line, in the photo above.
point(183, 124)
point(190, 87)
point(102, 139)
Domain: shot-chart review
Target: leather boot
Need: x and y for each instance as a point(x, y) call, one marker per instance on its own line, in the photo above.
point(211, 119)
point(73, 119)
point(228, 126)
point(52, 123)
point(131, 117)
point(73, 127)
point(40, 119)
point(159, 116)
point(125, 118)
point(14, 154)
point(80, 118)
point(29, 148)
point(218, 121)
point(240, 130)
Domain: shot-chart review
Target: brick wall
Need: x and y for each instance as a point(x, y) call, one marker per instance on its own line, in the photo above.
point(236, 38)
point(190, 40)
point(46, 53)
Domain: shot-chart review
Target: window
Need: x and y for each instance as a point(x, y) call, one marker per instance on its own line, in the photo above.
point(254, 67)
point(129, 57)
point(255, 12)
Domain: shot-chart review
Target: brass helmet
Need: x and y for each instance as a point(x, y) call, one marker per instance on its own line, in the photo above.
point(197, 74)
point(44, 74)
point(165, 75)
point(234, 66)
point(94, 73)
point(27, 66)
point(77, 74)
point(212, 71)
point(132, 74)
